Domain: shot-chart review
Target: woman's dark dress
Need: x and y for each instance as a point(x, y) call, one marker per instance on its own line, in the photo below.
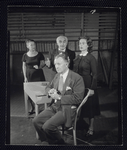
point(86, 66)
point(33, 74)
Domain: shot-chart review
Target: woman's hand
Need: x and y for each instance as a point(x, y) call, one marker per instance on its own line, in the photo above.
point(35, 66)
point(91, 92)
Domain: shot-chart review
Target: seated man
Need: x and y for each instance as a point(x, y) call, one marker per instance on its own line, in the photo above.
point(67, 91)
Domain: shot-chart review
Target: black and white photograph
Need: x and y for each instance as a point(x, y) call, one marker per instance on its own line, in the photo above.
point(64, 75)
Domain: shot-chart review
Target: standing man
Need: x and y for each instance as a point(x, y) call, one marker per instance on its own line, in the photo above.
point(67, 91)
point(62, 42)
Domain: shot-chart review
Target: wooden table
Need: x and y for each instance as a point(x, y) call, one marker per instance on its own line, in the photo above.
point(36, 91)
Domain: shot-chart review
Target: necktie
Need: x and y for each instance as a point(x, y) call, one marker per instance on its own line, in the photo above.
point(60, 86)
point(60, 89)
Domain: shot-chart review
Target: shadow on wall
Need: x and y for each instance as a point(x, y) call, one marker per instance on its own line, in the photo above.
point(49, 74)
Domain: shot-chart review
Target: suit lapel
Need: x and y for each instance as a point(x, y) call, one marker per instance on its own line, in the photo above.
point(56, 82)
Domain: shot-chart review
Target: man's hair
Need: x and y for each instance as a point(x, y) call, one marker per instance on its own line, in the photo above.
point(64, 56)
point(61, 36)
point(88, 41)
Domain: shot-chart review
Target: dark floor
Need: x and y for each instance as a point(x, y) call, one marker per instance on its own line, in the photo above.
point(105, 125)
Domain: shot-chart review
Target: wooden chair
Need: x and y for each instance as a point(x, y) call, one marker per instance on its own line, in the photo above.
point(75, 121)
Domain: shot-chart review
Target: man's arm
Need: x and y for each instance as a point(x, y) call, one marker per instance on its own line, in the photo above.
point(72, 57)
point(48, 88)
point(50, 85)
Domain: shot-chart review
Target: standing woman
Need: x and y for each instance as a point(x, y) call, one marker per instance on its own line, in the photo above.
point(32, 65)
point(85, 64)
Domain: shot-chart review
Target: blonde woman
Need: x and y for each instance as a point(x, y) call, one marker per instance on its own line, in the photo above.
point(32, 64)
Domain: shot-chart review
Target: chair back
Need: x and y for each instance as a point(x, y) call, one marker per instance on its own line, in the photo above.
point(87, 93)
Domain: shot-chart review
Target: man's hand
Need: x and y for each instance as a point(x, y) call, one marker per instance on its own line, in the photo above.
point(55, 96)
point(52, 91)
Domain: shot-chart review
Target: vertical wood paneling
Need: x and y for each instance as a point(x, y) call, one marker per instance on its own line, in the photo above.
point(72, 27)
point(45, 27)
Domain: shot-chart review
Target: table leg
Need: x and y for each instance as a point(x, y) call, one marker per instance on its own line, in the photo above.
point(45, 105)
point(36, 113)
point(26, 104)
point(36, 109)
point(37, 135)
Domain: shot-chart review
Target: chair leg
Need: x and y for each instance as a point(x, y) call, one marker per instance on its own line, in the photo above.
point(74, 136)
point(62, 129)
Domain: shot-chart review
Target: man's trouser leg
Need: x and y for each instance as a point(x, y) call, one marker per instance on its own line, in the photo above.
point(46, 124)
point(51, 127)
point(40, 119)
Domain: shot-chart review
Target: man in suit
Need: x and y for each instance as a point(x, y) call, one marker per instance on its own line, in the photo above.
point(67, 91)
point(62, 42)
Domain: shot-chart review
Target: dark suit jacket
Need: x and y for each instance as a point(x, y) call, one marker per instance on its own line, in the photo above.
point(73, 93)
point(55, 52)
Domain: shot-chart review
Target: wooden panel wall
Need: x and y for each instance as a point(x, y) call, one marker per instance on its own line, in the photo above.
point(45, 27)
point(108, 33)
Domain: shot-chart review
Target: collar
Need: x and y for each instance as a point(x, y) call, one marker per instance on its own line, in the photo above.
point(83, 54)
point(62, 50)
point(65, 75)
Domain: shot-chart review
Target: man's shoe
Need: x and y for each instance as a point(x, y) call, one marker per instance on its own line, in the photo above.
point(89, 133)
point(45, 143)
point(61, 142)
point(31, 112)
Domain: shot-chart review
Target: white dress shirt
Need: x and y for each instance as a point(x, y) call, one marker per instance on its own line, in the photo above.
point(83, 54)
point(64, 75)
point(62, 50)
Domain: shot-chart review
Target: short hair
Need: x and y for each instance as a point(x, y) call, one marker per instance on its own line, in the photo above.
point(61, 36)
point(88, 41)
point(64, 56)
point(29, 40)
